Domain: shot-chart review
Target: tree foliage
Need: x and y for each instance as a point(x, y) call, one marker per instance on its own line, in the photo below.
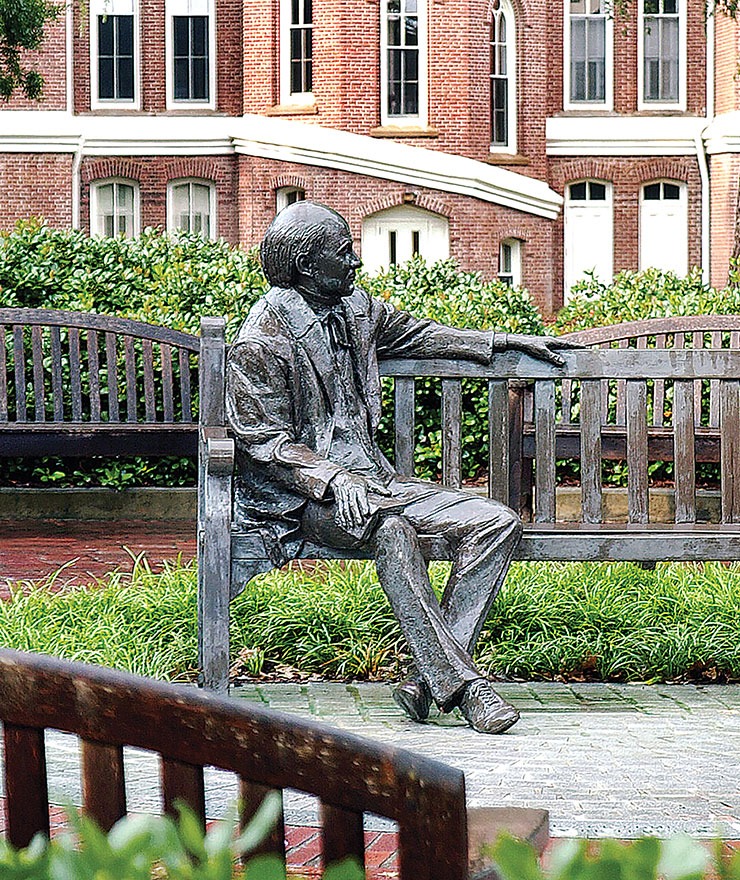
point(22, 25)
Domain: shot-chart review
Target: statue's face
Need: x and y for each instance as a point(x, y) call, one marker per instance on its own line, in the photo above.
point(335, 267)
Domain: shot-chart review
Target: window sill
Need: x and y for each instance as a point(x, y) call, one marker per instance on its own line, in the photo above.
point(404, 131)
point(292, 110)
point(507, 159)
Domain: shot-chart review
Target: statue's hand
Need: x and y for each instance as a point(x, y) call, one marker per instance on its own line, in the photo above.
point(544, 348)
point(351, 496)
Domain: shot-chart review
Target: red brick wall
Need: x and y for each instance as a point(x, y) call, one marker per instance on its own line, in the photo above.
point(727, 52)
point(725, 178)
point(627, 177)
point(35, 184)
point(476, 227)
point(153, 174)
point(50, 61)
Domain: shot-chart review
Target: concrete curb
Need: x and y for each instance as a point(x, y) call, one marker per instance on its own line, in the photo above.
point(145, 504)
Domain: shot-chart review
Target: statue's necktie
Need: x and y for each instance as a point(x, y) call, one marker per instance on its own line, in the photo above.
point(336, 327)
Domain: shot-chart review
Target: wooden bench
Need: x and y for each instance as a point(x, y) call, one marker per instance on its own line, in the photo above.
point(78, 384)
point(267, 750)
point(229, 558)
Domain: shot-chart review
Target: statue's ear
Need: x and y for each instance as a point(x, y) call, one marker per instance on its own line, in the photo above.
point(304, 265)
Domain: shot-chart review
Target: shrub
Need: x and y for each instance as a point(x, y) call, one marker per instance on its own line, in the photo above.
point(633, 296)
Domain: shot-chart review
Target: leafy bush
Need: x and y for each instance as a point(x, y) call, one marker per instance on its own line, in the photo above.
point(634, 296)
point(143, 847)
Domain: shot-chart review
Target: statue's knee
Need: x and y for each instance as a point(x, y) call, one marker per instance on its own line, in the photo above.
point(393, 528)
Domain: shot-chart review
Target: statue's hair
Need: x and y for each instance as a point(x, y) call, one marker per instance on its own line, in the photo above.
point(300, 228)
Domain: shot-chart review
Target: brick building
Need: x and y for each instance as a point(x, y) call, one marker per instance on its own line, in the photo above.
point(530, 140)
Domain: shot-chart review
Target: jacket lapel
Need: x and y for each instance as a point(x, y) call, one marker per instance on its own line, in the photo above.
point(304, 327)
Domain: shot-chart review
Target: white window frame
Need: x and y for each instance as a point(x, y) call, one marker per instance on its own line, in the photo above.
point(286, 96)
point(515, 275)
point(570, 204)
point(283, 194)
point(172, 225)
point(683, 201)
point(421, 118)
point(608, 102)
point(190, 8)
point(95, 187)
point(680, 104)
point(507, 10)
point(114, 7)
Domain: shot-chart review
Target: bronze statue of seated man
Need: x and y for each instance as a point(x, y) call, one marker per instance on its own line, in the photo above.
point(303, 400)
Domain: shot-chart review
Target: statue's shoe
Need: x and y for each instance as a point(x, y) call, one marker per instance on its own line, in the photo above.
point(414, 697)
point(485, 710)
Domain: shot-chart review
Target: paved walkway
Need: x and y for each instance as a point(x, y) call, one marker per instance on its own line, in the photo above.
point(605, 760)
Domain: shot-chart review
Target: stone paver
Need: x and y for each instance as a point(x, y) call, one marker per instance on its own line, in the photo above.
point(605, 760)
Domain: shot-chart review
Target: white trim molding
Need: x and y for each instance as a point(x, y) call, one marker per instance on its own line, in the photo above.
point(722, 135)
point(623, 135)
point(283, 140)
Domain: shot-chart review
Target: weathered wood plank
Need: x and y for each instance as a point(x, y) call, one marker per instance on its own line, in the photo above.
point(342, 834)
point(111, 361)
point(403, 404)
point(75, 374)
point(621, 391)
point(451, 433)
point(251, 795)
point(27, 799)
point(567, 401)
point(19, 363)
point(147, 356)
point(544, 427)
point(93, 365)
point(211, 367)
point(3, 377)
point(591, 451)
point(57, 388)
point(498, 441)
point(730, 450)
point(659, 389)
point(129, 361)
point(168, 409)
point(185, 395)
point(716, 342)
point(637, 451)
point(183, 781)
point(103, 783)
point(37, 359)
point(684, 452)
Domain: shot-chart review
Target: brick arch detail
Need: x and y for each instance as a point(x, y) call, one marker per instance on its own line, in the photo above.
point(662, 169)
point(586, 168)
point(518, 232)
point(295, 180)
point(104, 169)
point(426, 201)
point(190, 167)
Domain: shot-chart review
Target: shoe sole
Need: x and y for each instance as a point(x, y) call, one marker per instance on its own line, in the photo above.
point(501, 727)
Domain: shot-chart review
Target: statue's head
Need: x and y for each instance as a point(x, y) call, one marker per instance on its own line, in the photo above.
point(309, 246)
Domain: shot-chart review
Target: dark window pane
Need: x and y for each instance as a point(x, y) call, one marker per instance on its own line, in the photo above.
point(200, 35)
point(671, 191)
point(308, 11)
point(309, 76)
point(125, 35)
point(394, 98)
point(181, 33)
point(578, 191)
point(411, 66)
point(651, 7)
point(411, 29)
point(295, 12)
point(105, 35)
point(392, 247)
point(670, 7)
point(199, 90)
point(295, 44)
point(394, 32)
point(415, 241)
point(182, 79)
point(394, 6)
point(126, 79)
point(296, 85)
point(105, 78)
point(652, 192)
point(597, 192)
point(411, 100)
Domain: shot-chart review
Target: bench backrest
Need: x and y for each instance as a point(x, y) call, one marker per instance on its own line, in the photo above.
point(659, 384)
point(188, 729)
point(76, 367)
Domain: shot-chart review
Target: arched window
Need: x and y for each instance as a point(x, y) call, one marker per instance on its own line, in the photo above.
point(589, 232)
point(397, 234)
point(664, 227)
point(191, 207)
point(502, 71)
point(288, 195)
point(114, 208)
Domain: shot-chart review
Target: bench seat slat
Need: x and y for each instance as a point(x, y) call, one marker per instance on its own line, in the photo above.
point(451, 433)
point(3, 377)
point(103, 783)
point(591, 450)
point(37, 355)
point(150, 413)
point(498, 440)
point(403, 400)
point(129, 361)
point(730, 449)
point(637, 451)
point(19, 363)
point(168, 409)
point(111, 360)
point(75, 380)
point(93, 363)
point(27, 804)
point(57, 389)
point(684, 452)
point(185, 395)
point(544, 424)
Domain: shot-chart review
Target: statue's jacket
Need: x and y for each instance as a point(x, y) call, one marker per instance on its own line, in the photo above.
point(280, 396)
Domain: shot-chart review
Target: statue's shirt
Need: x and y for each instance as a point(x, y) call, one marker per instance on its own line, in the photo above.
point(352, 445)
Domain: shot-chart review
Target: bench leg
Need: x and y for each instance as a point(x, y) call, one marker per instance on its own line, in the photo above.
point(214, 575)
